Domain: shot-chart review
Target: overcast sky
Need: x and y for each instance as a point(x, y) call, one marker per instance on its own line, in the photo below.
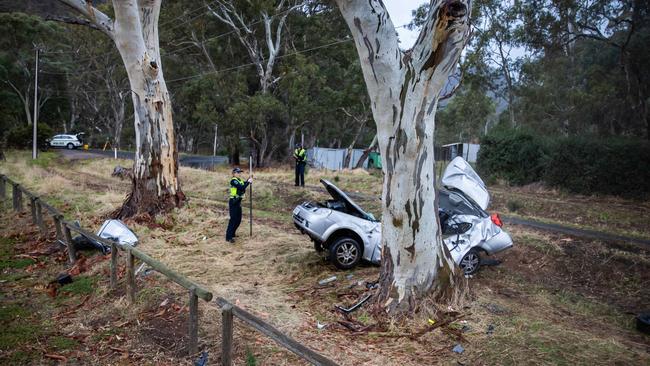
point(400, 14)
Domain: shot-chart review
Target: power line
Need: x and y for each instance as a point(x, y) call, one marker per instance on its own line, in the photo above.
point(252, 63)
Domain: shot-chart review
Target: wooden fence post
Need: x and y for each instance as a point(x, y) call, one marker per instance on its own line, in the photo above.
point(3, 190)
point(18, 198)
point(114, 255)
point(32, 205)
point(226, 335)
point(72, 253)
point(39, 217)
point(193, 326)
point(59, 230)
point(130, 276)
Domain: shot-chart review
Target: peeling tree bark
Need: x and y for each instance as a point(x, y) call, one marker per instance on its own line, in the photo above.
point(404, 89)
point(156, 187)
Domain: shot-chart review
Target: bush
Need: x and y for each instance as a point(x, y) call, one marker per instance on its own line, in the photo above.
point(513, 155)
point(587, 166)
point(21, 137)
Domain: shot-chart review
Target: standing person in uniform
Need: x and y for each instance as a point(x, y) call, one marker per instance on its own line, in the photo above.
point(237, 190)
point(300, 155)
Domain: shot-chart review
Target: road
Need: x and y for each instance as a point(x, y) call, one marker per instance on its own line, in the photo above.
point(192, 161)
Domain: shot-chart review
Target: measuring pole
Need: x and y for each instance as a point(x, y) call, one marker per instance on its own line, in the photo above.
point(35, 127)
point(250, 206)
point(214, 149)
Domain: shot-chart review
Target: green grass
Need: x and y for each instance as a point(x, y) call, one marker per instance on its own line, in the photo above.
point(16, 334)
point(250, 358)
point(62, 343)
point(7, 259)
point(12, 312)
point(80, 286)
point(44, 159)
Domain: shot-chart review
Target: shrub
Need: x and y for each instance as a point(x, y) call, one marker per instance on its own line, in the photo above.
point(21, 137)
point(514, 155)
point(588, 165)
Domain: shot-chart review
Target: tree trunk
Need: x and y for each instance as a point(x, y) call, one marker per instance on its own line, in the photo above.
point(366, 152)
point(404, 89)
point(155, 184)
point(155, 171)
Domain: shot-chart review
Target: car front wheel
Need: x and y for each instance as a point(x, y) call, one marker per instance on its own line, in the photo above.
point(345, 253)
point(471, 262)
point(70, 146)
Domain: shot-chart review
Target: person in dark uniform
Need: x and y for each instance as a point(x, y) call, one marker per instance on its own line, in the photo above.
point(300, 155)
point(237, 190)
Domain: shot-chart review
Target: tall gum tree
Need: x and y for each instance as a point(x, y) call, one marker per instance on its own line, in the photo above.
point(156, 187)
point(404, 87)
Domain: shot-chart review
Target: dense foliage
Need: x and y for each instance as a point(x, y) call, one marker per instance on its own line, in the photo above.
point(588, 166)
point(513, 155)
point(552, 68)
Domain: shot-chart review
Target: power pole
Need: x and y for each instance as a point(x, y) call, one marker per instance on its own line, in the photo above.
point(214, 149)
point(35, 126)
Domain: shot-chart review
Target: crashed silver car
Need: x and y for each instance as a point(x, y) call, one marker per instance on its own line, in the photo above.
point(349, 234)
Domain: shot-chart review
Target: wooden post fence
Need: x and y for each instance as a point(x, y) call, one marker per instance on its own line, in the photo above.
point(72, 253)
point(3, 189)
point(114, 255)
point(193, 325)
point(226, 335)
point(32, 205)
point(266, 329)
point(18, 198)
point(130, 276)
point(228, 311)
point(39, 217)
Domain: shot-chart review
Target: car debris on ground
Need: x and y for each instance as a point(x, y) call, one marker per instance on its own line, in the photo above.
point(114, 230)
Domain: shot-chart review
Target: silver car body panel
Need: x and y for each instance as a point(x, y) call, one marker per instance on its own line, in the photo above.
point(117, 230)
point(321, 223)
point(460, 175)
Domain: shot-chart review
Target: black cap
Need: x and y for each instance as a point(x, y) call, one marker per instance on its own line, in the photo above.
point(298, 145)
point(237, 170)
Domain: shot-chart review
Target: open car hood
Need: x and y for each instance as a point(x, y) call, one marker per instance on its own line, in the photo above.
point(460, 175)
point(340, 196)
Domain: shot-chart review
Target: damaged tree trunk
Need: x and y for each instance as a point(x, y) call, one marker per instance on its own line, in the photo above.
point(404, 88)
point(156, 187)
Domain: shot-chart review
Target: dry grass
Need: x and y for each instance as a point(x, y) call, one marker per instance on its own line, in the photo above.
point(274, 274)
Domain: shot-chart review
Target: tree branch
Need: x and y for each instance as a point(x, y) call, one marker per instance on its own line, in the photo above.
point(101, 20)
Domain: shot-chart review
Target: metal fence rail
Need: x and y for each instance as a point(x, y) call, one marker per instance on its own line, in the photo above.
point(64, 231)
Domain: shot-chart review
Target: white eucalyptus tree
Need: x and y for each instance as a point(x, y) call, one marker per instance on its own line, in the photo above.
point(156, 187)
point(404, 87)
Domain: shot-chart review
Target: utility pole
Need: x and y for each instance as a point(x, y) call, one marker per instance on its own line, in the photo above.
point(214, 149)
point(250, 172)
point(35, 126)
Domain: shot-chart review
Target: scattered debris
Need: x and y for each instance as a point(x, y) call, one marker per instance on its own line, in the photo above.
point(490, 262)
point(349, 276)
point(643, 323)
point(327, 280)
point(372, 285)
point(431, 322)
point(320, 326)
point(122, 173)
point(64, 279)
point(496, 309)
point(465, 328)
point(458, 349)
point(490, 329)
point(203, 360)
point(355, 306)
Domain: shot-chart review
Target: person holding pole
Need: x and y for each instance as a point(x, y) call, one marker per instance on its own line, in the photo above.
point(300, 155)
point(237, 191)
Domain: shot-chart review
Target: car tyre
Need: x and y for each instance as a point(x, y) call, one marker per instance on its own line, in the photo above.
point(471, 262)
point(345, 253)
point(70, 146)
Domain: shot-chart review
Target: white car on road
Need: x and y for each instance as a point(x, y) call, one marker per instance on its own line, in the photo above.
point(68, 141)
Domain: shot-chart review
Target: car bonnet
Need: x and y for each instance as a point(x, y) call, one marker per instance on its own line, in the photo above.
point(460, 175)
point(338, 195)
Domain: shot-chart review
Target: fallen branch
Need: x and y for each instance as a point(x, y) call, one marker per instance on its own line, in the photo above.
point(56, 357)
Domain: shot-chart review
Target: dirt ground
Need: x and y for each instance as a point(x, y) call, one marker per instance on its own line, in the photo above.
point(554, 299)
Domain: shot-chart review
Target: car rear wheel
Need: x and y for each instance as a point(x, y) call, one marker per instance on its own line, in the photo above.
point(70, 146)
point(345, 253)
point(471, 262)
